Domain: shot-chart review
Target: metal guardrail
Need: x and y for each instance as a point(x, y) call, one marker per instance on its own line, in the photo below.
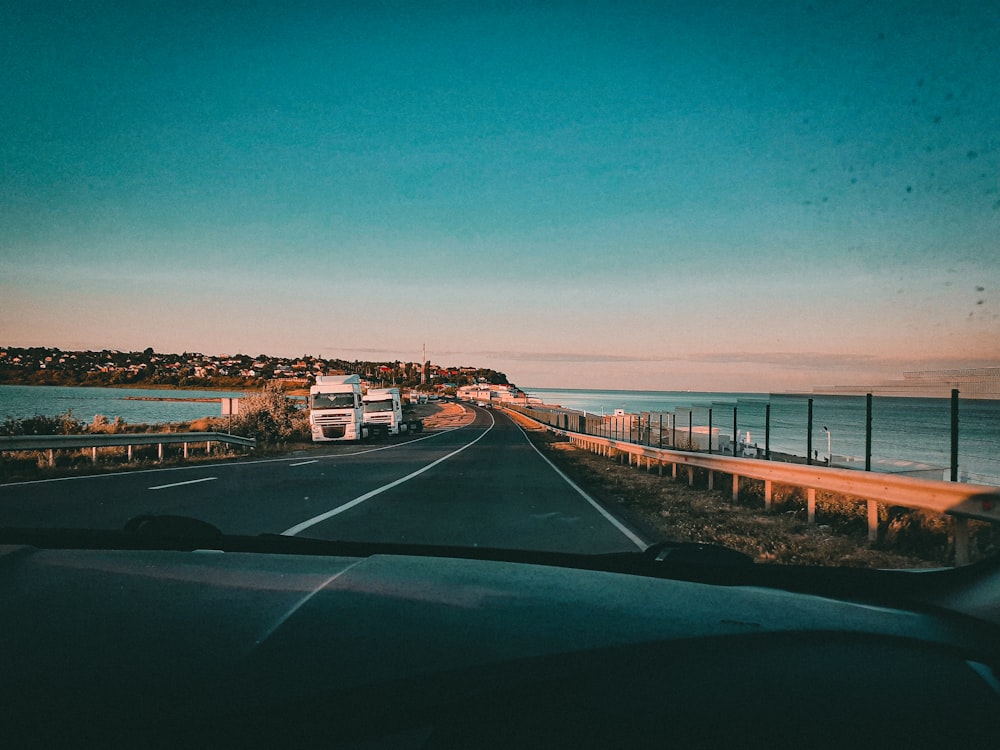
point(52, 443)
point(963, 501)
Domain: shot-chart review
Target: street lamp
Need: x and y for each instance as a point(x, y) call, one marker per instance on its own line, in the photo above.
point(829, 455)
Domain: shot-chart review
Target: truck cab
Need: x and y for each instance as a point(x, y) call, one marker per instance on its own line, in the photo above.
point(384, 413)
point(335, 409)
point(383, 410)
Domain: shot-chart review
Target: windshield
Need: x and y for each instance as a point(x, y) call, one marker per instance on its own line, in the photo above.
point(724, 274)
point(333, 401)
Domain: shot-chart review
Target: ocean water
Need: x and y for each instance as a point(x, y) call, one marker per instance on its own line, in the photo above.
point(24, 401)
point(903, 429)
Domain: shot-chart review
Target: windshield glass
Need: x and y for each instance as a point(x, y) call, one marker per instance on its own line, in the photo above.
point(333, 401)
point(640, 271)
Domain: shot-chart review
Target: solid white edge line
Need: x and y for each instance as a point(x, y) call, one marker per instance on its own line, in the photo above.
point(178, 484)
point(614, 521)
point(379, 490)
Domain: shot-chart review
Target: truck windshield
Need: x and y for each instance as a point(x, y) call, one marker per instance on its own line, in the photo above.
point(373, 406)
point(332, 401)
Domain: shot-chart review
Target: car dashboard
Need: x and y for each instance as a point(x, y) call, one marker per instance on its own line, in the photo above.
point(214, 648)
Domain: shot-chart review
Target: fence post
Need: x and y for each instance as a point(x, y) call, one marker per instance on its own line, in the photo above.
point(767, 431)
point(961, 540)
point(710, 436)
point(954, 436)
point(736, 434)
point(868, 432)
point(809, 434)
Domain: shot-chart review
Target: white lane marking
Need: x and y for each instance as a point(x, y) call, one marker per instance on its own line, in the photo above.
point(305, 463)
point(178, 484)
point(218, 466)
point(378, 491)
point(614, 521)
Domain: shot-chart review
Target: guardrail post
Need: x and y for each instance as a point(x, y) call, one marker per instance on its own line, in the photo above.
point(208, 447)
point(711, 479)
point(961, 540)
point(159, 451)
point(768, 495)
point(93, 454)
point(811, 505)
point(185, 450)
point(129, 452)
point(673, 471)
point(872, 521)
point(736, 487)
point(52, 457)
point(690, 476)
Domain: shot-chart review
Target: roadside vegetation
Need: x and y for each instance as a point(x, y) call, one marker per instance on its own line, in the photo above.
point(270, 416)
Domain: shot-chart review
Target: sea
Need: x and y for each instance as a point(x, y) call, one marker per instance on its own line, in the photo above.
point(133, 405)
point(904, 430)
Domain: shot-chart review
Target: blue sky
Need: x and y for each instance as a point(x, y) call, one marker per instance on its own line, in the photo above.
point(731, 196)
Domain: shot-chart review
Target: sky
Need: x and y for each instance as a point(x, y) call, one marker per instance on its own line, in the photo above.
point(736, 196)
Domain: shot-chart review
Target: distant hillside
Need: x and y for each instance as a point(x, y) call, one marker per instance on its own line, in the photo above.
point(111, 367)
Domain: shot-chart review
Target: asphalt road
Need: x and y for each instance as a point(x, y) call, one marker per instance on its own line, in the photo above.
point(483, 484)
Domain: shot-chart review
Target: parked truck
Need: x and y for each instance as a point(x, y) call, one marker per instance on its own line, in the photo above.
point(335, 408)
point(384, 413)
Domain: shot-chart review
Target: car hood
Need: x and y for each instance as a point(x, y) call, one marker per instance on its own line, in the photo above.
point(208, 630)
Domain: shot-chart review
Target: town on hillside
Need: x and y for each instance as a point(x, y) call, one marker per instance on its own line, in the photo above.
point(111, 367)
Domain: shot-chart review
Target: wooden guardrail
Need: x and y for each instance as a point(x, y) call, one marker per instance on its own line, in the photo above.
point(963, 501)
point(52, 443)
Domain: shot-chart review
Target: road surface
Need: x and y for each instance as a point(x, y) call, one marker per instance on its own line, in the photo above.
point(482, 484)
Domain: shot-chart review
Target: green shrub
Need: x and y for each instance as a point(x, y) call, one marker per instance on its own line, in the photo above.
point(271, 417)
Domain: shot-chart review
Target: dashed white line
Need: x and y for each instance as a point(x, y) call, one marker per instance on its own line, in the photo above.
point(178, 484)
point(305, 463)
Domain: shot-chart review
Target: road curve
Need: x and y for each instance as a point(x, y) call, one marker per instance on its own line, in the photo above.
point(482, 484)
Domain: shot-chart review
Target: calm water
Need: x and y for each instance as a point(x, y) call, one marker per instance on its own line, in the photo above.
point(907, 429)
point(22, 401)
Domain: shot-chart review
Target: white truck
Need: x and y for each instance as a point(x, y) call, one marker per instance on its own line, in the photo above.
point(384, 413)
point(335, 408)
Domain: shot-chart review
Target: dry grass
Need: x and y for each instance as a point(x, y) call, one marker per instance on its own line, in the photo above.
point(665, 508)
